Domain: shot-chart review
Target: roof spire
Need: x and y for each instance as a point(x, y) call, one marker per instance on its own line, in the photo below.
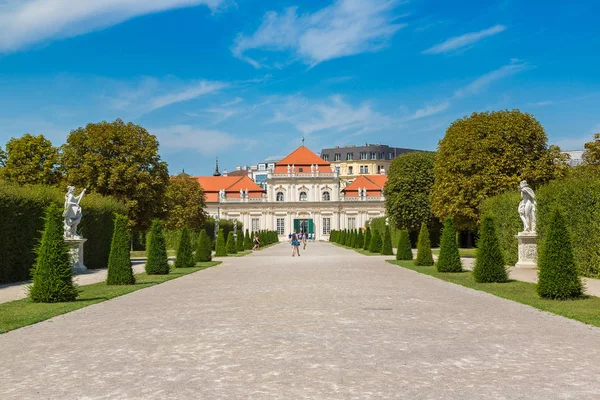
point(217, 173)
point(303, 141)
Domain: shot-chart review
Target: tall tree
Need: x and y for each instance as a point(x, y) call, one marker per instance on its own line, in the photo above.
point(185, 203)
point(122, 160)
point(2, 158)
point(407, 191)
point(31, 159)
point(591, 154)
point(487, 154)
point(120, 271)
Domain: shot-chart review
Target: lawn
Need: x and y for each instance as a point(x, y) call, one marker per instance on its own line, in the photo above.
point(361, 251)
point(19, 313)
point(585, 309)
point(463, 252)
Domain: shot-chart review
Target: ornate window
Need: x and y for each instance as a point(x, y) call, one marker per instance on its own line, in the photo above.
point(279, 196)
point(255, 224)
point(363, 155)
point(281, 226)
point(337, 157)
point(326, 226)
point(351, 222)
point(303, 196)
point(326, 157)
point(349, 156)
point(326, 196)
point(350, 170)
point(373, 155)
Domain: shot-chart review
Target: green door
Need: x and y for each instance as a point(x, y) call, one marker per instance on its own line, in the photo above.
point(304, 225)
point(297, 225)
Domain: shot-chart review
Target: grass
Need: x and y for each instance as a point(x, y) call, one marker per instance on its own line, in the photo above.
point(19, 313)
point(585, 309)
point(470, 253)
point(360, 251)
point(142, 253)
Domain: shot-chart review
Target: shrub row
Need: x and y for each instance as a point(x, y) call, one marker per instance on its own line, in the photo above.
point(434, 231)
point(22, 210)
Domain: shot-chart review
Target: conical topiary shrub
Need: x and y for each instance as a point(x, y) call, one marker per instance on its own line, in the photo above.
point(449, 259)
point(360, 240)
point(239, 243)
point(558, 277)
point(424, 256)
point(157, 262)
point(387, 249)
point(376, 244)
point(367, 241)
point(247, 241)
point(204, 248)
point(352, 238)
point(119, 259)
point(404, 251)
point(185, 254)
point(230, 244)
point(52, 275)
point(489, 261)
point(220, 248)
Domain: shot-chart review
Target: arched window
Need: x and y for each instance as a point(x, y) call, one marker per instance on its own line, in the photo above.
point(279, 196)
point(303, 196)
point(326, 196)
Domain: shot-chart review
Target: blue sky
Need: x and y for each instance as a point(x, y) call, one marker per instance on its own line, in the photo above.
point(244, 80)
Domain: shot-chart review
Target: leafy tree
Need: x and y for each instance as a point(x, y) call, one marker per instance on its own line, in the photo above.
point(404, 251)
point(449, 259)
point(31, 160)
point(204, 248)
point(367, 242)
point(558, 277)
point(2, 158)
point(591, 154)
point(376, 244)
point(489, 261)
point(52, 274)
point(185, 254)
point(119, 260)
point(424, 256)
point(230, 244)
point(121, 160)
point(185, 203)
point(220, 249)
point(487, 154)
point(157, 262)
point(387, 249)
point(248, 241)
point(407, 190)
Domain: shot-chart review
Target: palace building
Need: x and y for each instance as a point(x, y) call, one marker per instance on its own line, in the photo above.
point(302, 192)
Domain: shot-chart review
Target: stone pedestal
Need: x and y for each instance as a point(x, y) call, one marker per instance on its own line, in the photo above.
point(527, 250)
point(76, 254)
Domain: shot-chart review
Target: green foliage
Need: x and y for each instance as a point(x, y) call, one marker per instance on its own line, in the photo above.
point(204, 248)
point(21, 222)
point(248, 241)
point(424, 255)
point(503, 210)
point(376, 244)
point(407, 190)
point(404, 251)
point(239, 243)
point(485, 155)
point(231, 248)
point(387, 249)
point(591, 154)
point(489, 263)
point(220, 248)
point(31, 160)
point(449, 258)
point(367, 242)
point(121, 160)
point(185, 203)
point(360, 240)
point(185, 253)
point(157, 262)
point(120, 271)
point(52, 275)
point(2, 159)
point(558, 277)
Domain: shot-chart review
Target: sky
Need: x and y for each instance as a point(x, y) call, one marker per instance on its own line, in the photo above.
point(244, 80)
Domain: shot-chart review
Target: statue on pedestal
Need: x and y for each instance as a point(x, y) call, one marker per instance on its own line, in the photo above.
point(312, 168)
point(72, 213)
point(241, 193)
point(289, 168)
point(527, 208)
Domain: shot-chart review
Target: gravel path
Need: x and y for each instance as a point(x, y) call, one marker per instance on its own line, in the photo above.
point(331, 324)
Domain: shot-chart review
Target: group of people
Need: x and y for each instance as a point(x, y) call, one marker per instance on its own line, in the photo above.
point(296, 239)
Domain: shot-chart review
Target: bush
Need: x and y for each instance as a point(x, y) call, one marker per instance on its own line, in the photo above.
point(376, 242)
point(119, 260)
point(185, 254)
point(204, 248)
point(360, 239)
point(404, 251)
point(424, 256)
point(557, 276)
point(230, 244)
point(449, 259)
point(157, 262)
point(387, 249)
point(220, 249)
point(52, 274)
point(22, 209)
point(239, 241)
point(503, 210)
point(368, 235)
point(489, 262)
point(248, 241)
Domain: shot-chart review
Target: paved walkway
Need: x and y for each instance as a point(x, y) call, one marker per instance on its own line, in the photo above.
point(331, 324)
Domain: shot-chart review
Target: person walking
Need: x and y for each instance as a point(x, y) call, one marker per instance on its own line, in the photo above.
point(295, 244)
point(256, 242)
point(304, 241)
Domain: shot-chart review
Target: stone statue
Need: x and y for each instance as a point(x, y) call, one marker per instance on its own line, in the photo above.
point(293, 169)
point(222, 193)
point(289, 168)
point(72, 213)
point(246, 192)
point(317, 167)
point(527, 208)
point(241, 193)
point(365, 191)
point(312, 168)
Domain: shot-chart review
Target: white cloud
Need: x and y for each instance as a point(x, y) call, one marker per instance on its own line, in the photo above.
point(344, 28)
point(189, 137)
point(481, 83)
point(25, 22)
point(430, 110)
point(468, 39)
point(189, 92)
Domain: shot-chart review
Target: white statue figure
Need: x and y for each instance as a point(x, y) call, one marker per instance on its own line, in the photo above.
point(317, 167)
point(241, 194)
point(293, 169)
point(365, 191)
point(289, 168)
point(312, 168)
point(246, 192)
point(527, 208)
point(72, 213)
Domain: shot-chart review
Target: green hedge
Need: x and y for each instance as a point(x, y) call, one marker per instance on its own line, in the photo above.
point(21, 225)
point(577, 196)
point(435, 232)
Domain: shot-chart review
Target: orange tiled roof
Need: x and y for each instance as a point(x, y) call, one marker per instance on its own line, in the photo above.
point(303, 158)
point(231, 184)
point(373, 183)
